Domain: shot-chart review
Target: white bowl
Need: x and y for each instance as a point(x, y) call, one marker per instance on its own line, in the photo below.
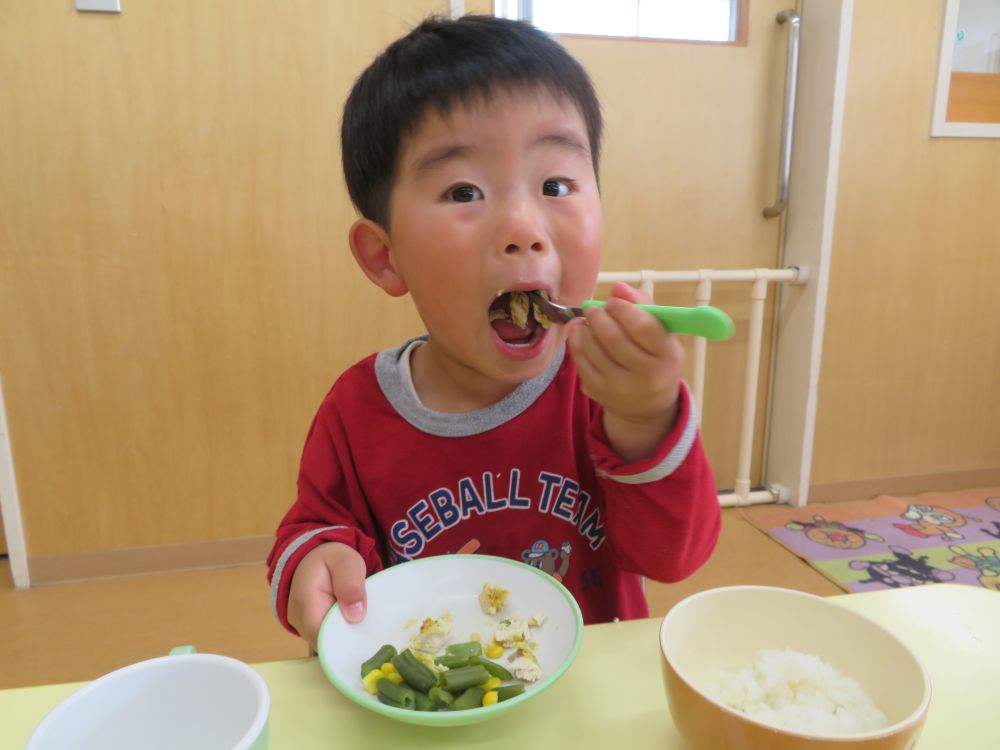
point(400, 597)
point(185, 700)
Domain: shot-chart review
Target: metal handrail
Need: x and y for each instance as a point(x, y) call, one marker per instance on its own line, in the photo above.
point(794, 21)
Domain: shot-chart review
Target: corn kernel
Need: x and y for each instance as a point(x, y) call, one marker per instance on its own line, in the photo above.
point(490, 697)
point(494, 650)
point(491, 684)
point(371, 678)
point(388, 668)
point(395, 677)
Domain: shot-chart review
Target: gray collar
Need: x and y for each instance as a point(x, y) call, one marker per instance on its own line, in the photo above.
point(393, 374)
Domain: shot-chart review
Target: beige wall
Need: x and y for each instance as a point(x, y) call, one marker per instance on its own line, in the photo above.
point(177, 295)
point(910, 381)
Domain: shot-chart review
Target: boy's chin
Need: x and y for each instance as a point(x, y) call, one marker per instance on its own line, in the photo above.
point(529, 353)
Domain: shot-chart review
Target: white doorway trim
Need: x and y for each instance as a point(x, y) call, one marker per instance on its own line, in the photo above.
point(10, 504)
point(812, 204)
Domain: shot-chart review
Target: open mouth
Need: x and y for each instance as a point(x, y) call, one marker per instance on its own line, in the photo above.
point(517, 318)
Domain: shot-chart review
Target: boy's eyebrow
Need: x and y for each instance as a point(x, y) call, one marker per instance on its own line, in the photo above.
point(564, 140)
point(438, 156)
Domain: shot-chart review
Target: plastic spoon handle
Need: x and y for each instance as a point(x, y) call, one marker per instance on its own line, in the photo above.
point(709, 322)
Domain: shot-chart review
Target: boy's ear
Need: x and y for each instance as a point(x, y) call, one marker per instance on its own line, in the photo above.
point(372, 249)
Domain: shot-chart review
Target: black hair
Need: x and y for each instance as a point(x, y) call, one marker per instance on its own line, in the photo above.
point(440, 63)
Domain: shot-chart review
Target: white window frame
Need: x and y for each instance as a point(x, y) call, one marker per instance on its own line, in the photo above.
point(523, 10)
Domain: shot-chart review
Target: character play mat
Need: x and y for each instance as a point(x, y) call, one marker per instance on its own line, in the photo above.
point(890, 542)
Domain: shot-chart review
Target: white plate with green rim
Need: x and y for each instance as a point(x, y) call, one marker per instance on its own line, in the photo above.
point(401, 597)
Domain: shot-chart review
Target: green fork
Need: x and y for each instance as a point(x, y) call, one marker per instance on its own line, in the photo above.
point(708, 322)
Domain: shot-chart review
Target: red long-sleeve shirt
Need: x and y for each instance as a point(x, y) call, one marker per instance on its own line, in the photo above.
point(530, 478)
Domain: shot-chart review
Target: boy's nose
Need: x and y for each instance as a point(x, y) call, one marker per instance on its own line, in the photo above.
point(523, 228)
point(514, 248)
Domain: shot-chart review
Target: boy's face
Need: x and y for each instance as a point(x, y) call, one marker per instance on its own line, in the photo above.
point(497, 196)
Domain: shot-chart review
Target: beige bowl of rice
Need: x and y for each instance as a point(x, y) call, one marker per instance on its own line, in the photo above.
point(761, 668)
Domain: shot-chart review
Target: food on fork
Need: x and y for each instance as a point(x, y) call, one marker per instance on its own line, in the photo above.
point(516, 306)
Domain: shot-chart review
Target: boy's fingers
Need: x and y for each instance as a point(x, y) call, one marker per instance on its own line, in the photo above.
point(591, 361)
point(588, 373)
point(312, 617)
point(643, 329)
point(329, 573)
point(604, 335)
point(623, 291)
point(618, 330)
point(638, 333)
point(348, 578)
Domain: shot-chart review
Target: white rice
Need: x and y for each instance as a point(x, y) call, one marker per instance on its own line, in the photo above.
point(799, 692)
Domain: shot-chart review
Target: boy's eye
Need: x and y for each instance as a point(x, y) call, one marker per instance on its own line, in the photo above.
point(465, 194)
point(556, 188)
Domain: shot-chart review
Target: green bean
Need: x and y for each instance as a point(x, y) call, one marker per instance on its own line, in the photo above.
point(472, 648)
point(455, 680)
point(452, 661)
point(440, 696)
point(425, 702)
point(509, 691)
point(497, 670)
point(416, 674)
point(392, 694)
point(471, 698)
point(380, 657)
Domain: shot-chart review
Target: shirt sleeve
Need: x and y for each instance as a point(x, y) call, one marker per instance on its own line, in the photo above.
point(328, 508)
point(662, 513)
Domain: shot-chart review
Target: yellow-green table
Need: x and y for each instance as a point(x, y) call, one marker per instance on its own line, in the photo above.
point(612, 697)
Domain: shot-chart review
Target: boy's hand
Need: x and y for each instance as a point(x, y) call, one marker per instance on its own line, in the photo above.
point(632, 366)
point(330, 573)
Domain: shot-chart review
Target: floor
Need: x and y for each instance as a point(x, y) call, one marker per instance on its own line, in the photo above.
point(79, 631)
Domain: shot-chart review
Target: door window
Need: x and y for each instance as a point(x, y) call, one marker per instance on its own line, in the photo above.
point(695, 20)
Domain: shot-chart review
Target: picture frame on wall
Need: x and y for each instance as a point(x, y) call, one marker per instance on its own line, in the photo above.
point(967, 94)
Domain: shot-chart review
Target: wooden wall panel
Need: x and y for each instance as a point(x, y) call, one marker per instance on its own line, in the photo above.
point(178, 294)
point(910, 383)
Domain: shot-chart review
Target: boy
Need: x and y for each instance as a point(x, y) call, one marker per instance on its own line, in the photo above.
point(471, 148)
